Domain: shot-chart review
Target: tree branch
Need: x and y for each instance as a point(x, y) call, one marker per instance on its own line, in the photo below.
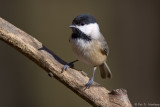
point(96, 95)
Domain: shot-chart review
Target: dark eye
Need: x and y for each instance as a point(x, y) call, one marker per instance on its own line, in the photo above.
point(82, 24)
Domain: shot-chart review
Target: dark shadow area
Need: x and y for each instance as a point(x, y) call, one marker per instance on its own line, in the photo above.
point(53, 54)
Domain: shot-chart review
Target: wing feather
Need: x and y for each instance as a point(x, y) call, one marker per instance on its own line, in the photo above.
point(105, 48)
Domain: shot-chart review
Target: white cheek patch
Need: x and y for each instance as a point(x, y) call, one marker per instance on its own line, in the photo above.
point(91, 29)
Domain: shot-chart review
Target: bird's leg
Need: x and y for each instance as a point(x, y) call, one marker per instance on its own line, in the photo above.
point(68, 65)
point(91, 79)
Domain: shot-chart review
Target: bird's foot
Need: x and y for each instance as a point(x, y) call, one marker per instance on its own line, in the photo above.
point(71, 64)
point(89, 83)
point(66, 67)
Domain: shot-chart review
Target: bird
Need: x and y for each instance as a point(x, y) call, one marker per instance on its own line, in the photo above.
point(89, 46)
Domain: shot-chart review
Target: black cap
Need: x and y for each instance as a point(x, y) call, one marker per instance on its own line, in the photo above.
point(83, 19)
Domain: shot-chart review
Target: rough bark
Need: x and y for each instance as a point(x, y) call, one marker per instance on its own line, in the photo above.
point(96, 95)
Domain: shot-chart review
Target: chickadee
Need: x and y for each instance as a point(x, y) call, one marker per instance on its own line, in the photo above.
point(89, 45)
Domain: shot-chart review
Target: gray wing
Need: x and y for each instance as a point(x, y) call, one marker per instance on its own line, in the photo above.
point(105, 48)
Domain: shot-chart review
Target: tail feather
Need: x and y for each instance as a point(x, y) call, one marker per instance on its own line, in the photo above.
point(105, 71)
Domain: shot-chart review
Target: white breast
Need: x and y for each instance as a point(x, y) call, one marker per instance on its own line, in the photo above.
point(88, 51)
point(79, 47)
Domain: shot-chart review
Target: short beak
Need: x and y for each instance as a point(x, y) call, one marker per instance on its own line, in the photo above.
point(72, 26)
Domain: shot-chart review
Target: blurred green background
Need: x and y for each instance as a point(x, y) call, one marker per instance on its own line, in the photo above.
point(131, 28)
